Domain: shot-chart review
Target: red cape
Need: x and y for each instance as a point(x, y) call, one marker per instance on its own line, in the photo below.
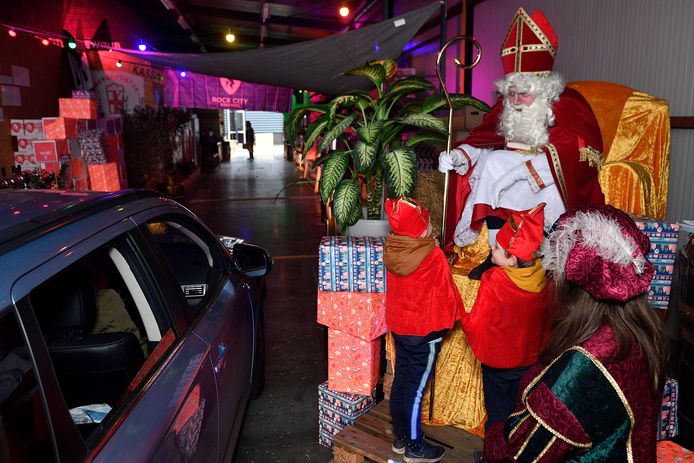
point(426, 300)
point(575, 125)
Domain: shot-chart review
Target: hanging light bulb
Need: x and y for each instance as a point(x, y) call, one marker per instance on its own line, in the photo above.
point(45, 42)
point(72, 44)
point(230, 37)
point(344, 10)
point(119, 64)
point(12, 33)
point(142, 46)
point(183, 73)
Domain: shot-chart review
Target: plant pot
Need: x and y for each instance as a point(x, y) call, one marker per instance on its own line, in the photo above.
point(365, 227)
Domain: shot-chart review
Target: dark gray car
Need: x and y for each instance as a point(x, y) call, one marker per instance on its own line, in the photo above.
point(128, 331)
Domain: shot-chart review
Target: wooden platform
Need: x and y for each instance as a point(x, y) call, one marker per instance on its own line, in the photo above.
point(371, 437)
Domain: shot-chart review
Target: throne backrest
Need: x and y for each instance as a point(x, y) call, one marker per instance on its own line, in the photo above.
point(635, 130)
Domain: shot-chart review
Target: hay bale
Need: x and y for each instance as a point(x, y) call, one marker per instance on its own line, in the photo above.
point(429, 191)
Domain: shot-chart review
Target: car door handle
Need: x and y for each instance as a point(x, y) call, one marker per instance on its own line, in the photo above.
point(221, 350)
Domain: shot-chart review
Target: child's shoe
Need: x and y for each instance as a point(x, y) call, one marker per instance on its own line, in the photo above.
point(423, 452)
point(399, 444)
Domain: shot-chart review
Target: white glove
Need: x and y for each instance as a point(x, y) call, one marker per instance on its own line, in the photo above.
point(456, 159)
point(505, 182)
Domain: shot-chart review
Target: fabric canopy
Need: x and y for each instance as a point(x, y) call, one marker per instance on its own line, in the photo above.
point(313, 65)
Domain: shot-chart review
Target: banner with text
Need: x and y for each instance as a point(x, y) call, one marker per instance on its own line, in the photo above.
point(201, 91)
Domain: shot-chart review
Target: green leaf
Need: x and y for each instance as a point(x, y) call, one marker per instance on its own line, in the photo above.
point(376, 73)
point(424, 121)
point(400, 168)
point(342, 101)
point(434, 102)
point(461, 101)
point(364, 155)
point(299, 111)
point(390, 65)
point(410, 85)
point(391, 129)
point(354, 215)
point(335, 132)
point(314, 130)
point(368, 132)
point(333, 171)
point(434, 138)
point(345, 200)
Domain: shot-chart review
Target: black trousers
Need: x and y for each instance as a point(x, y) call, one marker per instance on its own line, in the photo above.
point(415, 357)
point(500, 391)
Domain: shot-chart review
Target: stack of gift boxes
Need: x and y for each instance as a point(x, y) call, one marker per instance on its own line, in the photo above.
point(91, 147)
point(663, 236)
point(351, 303)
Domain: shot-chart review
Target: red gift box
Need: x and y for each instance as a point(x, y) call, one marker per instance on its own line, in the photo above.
point(46, 151)
point(81, 184)
point(26, 161)
point(33, 128)
point(79, 168)
point(56, 128)
point(113, 146)
point(24, 144)
point(78, 108)
point(360, 314)
point(352, 363)
point(104, 177)
point(16, 127)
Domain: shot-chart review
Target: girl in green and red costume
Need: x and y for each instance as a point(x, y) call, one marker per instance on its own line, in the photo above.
point(594, 395)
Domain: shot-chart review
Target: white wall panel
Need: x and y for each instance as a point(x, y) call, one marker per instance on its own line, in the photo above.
point(644, 44)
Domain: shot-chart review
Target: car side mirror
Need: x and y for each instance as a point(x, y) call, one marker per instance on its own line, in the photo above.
point(251, 260)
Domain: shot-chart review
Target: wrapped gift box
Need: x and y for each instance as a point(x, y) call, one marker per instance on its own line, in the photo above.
point(56, 128)
point(663, 236)
point(84, 94)
point(360, 314)
point(24, 144)
point(351, 263)
point(16, 127)
point(104, 177)
point(45, 150)
point(658, 294)
point(93, 146)
point(78, 108)
point(667, 420)
point(33, 128)
point(352, 363)
point(670, 452)
point(26, 161)
point(86, 124)
point(336, 410)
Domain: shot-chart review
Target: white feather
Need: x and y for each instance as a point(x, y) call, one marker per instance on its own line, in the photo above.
point(597, 232)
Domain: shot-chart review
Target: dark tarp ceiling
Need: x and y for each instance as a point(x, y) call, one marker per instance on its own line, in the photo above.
point(313, 65)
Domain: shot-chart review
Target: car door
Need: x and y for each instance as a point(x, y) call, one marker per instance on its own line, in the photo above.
point(169, 410)
point(219, 306)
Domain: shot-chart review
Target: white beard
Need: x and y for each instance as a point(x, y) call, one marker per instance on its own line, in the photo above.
point(527, 124)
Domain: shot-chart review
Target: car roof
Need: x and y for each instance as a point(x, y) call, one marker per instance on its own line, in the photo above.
point(25, 213)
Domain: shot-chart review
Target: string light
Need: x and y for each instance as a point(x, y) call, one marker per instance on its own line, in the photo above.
point(119, 64)
point(230, 37)
point(142, 46)
point(12, 33)
point(344, 11)
point(45, 42)
point(72, 45)
point(183, 73)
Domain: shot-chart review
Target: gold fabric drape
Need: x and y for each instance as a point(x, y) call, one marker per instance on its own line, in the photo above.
point(635, 129)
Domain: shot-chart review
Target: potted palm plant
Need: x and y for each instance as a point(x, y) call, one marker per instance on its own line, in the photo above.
point(375, 133)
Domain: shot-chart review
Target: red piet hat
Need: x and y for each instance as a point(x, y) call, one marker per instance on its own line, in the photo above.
point(530, 45)
point(522, 234)
point(601, 250)
point(407, 216)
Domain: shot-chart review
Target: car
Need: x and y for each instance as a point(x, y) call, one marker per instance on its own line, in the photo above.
point(128, 330)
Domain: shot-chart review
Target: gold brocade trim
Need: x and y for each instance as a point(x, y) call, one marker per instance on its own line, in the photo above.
point(554, 156)
point(556, 433)
point(520, 423)
point(594, 157)
point(620, 393)
point(525, 444)
point(531, 152)
point(544, 450)
point(524, 395)
point(536, 176)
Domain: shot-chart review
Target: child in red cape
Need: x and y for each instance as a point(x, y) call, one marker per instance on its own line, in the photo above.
point(422, 303)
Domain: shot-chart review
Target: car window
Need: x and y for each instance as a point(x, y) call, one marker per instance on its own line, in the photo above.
point(193, 255)
point(104, 334)
point(24, 435)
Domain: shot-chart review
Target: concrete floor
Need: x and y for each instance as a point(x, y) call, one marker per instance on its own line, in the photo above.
point(238, 199)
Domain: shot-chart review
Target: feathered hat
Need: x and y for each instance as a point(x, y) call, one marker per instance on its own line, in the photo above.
point(601, 250)
point(407, 216)
point(530, 44)
point(522, 234)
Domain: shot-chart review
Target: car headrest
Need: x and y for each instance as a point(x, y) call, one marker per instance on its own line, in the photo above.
point(66, 302)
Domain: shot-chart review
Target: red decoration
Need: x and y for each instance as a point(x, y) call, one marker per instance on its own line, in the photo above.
point(407, 217)
point(78, 108)
point(105, 177)
point(522, 234)
point(530, 44)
